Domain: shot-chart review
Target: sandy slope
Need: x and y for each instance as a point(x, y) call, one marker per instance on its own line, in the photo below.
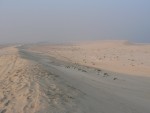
point(117, 56)
point(17, 84)
point(25, 87)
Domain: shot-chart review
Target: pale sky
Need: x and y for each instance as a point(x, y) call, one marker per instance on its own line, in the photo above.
point(74, 20)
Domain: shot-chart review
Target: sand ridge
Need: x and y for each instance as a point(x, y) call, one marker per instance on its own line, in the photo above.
point(15, 85)
point(25, 87)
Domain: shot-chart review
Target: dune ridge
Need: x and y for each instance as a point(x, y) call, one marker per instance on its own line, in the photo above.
point(25, 87)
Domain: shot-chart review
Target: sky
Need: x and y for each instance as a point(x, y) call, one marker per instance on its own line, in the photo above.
point(74, 20)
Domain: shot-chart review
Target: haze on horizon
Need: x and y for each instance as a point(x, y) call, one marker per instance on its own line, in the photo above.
point(74, 20)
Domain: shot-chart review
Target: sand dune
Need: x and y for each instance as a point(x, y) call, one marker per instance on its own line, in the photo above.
point(117, 56)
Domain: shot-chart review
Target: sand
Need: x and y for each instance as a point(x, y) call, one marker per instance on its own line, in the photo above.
point(89, 77)
point(117, 56)
point(16, 87)
point(25, 87)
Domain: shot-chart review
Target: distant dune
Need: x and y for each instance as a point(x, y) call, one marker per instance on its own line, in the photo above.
point(114, 55)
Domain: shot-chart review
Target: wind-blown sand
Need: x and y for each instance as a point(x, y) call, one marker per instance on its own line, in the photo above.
point(91, 77)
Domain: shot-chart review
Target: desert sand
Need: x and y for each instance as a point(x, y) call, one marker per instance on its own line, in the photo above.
point(87, 77)
point(25, 87)
point(118, 56)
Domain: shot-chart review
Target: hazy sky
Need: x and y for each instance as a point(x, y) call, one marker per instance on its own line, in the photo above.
point(71, 20)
